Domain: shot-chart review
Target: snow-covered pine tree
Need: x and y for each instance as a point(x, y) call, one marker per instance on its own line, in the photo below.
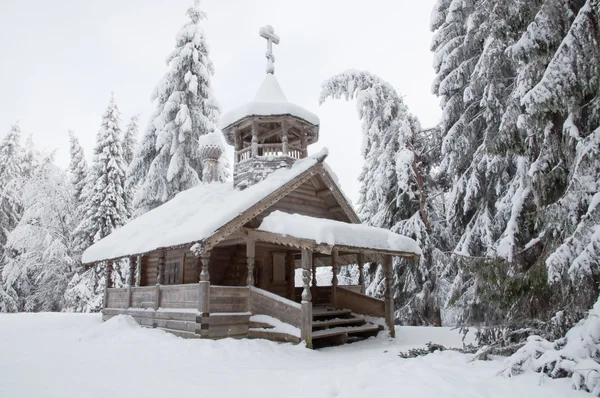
point(393, 192)
point(78, 167)
point(10, 171)
point(130, 139)
point(40, 255)
point(167, 160)
point(104, 210)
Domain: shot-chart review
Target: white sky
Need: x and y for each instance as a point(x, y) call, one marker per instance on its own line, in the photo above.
point(60, 59)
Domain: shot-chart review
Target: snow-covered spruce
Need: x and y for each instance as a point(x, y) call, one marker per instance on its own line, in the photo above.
point(393, 192)
point(10, 172)
point(167, 159)
point(105, 209)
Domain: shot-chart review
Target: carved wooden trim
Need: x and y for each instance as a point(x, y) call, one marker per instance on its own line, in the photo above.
point(250, 258)
point(205, 259)
point(361, 272)
point(306, 258)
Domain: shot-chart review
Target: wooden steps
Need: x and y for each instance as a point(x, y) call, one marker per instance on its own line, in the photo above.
point(367, 328)
point(329, 312)
point(333, 326)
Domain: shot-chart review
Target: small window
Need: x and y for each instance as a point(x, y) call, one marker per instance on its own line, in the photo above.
point(278, 267)
point(172, 274)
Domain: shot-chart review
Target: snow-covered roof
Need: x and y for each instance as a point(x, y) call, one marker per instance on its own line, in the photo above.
point(192, 215)
point(269, 101)
point(337, 233)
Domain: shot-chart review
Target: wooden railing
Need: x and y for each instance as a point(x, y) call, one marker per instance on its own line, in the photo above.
point(267, 303)
point(269, 150)
point(358, 303)
point(229, 299)
point(159, 296)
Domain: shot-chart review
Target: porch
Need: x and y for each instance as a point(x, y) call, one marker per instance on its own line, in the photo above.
point(265, 303)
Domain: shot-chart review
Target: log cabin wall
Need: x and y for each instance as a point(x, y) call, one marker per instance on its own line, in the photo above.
point(188, 267)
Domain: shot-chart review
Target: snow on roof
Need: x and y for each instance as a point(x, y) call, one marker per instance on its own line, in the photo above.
point(269, 101)
point(192, 215)
point(337, 233)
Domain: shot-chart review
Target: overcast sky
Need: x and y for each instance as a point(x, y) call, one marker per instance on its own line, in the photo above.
point(60, 59)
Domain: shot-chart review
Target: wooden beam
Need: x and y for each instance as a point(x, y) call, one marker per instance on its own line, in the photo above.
point(324, 192)
point(361, 272)
point(263, 236)
point(336, 209)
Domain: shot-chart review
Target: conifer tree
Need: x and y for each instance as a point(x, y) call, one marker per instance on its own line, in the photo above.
point(130, 139)
point(10, 171)
point(393, 191)
point(105, 209)
point(167, 159)
point(78, 168)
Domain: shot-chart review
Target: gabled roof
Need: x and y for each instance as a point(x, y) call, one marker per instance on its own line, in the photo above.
point(269, 101)
point(207, 213)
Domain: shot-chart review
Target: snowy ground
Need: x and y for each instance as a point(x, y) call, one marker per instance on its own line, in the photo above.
point(75, 355)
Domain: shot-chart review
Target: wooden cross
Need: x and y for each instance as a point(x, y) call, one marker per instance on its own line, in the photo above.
point(269, 33)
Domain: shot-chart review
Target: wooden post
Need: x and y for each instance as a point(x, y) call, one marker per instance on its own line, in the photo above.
point(389, 296)
point(306, 330)
point(361, 274)
point(107, 281)
point(160, 271)
point(205, 259)
point(335, 263)
point(314, 278)
point(159, 277)
point(303, 143)
point(203, 308)
point(138, 278)
point(250, 258)
point(254, 139)
point(284, 138)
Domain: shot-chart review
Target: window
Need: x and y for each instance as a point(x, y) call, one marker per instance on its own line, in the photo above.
point(172, 274)
point(278, 267)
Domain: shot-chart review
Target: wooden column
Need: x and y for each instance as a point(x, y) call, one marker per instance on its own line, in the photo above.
point(335, 264)
point(138, 278)
point(389, 296)
point(160, 273)
point(205, 260)
point(250, 259)
point(130, 279)
point(108, 281)
point(284, 138)
point(361, 275)
point(314, 277)
point(306, 330)
point(303, 143)
point(254, 139)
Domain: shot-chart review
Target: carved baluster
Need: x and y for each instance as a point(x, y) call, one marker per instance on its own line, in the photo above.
point(284, 139)
point(361, 273)
point(335, 263)
point(254, 139)
point(250, 258)
point(205, 259)
point(132, 268)
point(306, 305)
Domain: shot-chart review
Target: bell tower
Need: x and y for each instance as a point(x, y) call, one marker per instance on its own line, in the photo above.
point(270, 132)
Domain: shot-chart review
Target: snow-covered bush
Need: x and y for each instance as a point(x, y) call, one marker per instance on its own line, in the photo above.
point(577, 355)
